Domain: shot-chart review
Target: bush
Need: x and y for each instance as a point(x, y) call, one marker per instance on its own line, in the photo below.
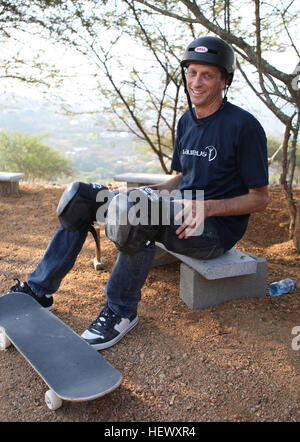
point(21, 152)
point(274, 143)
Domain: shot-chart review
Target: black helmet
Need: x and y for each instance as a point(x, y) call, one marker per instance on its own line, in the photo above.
point(211, 50)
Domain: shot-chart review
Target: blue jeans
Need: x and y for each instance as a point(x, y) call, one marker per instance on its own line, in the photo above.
point(123, 289)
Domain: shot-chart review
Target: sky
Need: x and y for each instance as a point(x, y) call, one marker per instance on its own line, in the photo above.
point(78, 86)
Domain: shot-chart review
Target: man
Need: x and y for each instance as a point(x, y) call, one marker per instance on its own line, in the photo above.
point(220, 149)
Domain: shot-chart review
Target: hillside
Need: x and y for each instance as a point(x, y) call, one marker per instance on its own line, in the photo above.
point(96, 153)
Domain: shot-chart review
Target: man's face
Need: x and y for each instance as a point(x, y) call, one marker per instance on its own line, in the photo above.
point(205, 85)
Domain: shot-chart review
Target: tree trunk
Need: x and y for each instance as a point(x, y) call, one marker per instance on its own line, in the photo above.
point(296, 237)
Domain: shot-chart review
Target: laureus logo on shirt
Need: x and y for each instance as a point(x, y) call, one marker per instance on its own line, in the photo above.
point(209, 152)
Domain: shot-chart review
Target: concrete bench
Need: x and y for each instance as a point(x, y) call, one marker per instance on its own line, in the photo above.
point(9, 182)
point(141, 179)
point(205, 283)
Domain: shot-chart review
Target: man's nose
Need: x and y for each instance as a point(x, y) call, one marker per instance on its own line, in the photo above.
point(198, 79)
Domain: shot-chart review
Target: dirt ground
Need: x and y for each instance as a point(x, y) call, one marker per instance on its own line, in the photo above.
point(232, 362)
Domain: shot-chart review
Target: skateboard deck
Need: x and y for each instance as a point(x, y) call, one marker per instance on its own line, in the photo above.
point(72, 369)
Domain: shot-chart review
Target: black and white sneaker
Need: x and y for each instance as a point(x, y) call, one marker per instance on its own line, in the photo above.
point(108, 329)
point(46, 301)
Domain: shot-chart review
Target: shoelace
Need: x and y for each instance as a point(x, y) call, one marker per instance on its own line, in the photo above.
point(105, 314)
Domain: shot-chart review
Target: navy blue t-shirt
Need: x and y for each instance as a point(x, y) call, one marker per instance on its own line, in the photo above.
point(225, 156)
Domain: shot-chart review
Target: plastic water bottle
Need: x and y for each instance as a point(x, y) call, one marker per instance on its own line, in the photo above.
point(282, 287)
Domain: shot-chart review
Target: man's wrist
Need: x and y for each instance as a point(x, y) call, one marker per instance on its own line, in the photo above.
point(213, 207)
point(207, 208)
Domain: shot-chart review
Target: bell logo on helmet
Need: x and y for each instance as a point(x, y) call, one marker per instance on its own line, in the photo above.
point(201, 49)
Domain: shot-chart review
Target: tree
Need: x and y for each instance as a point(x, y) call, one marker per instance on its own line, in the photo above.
point(144, 99)
point(19, 62)
point(21, 152)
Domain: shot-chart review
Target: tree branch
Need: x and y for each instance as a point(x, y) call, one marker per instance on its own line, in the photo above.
point(228, 36)
point(283, 178)
point(268, 102)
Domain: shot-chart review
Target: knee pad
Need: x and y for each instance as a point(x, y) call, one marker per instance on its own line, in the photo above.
point(135, 219)
point(81, 204)
point(140, 217)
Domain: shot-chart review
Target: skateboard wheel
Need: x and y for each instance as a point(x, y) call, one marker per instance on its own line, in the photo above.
point(52, 400)
point(4, 341)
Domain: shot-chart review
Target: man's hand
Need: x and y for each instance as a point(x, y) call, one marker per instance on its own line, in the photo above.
point(194, 212)
point(193, 218)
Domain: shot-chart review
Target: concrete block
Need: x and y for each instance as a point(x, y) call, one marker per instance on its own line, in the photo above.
point(197, 292)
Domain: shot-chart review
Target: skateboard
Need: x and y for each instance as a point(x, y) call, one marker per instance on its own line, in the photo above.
point(72, 369)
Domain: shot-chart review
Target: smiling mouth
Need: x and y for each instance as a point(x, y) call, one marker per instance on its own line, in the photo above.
point(197, 91)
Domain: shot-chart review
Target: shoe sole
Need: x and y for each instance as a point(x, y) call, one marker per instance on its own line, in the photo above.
point(116, 339)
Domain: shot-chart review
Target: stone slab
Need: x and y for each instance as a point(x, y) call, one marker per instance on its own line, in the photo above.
point(11, 176)
point(162, 257)
point(141, 179)
point(232, 263)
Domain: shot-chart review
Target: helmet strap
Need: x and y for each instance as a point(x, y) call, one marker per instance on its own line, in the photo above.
point(198, 123)
point(227, 86)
